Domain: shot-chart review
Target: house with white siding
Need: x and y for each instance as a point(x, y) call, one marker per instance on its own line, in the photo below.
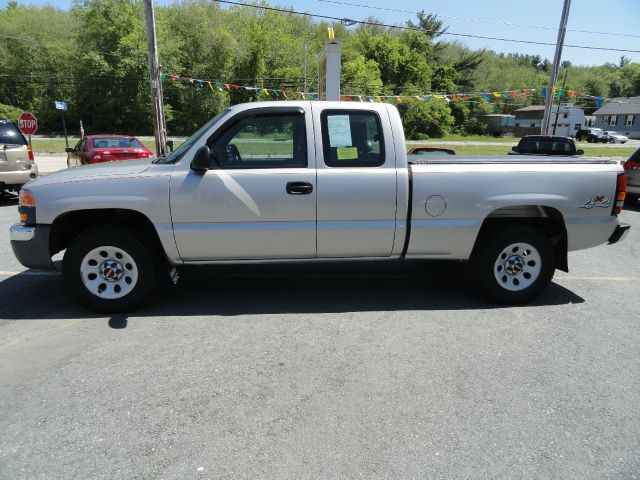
point(568, 119)
point(621, 115)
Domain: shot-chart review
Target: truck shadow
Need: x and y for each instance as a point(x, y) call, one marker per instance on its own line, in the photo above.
point(278, 289)
point(8, 199)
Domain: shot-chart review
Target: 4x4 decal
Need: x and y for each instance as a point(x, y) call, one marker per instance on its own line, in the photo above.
point(599, 201)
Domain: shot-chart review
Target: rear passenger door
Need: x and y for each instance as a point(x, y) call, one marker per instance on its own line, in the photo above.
point(356, 175)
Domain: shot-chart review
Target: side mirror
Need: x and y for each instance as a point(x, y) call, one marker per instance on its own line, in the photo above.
point(170, 145)
point(201, 160)
point(579, 152)
point(69, 149)
point(514, 149)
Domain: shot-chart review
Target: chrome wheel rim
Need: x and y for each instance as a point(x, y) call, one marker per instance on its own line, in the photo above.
point(109, 272)
point(517, 267)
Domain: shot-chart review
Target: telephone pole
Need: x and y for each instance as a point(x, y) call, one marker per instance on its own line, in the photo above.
point(546, 119)
point(157, 102)
point(564, 85)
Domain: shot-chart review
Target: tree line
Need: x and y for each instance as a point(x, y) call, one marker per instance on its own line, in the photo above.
point(94, 57)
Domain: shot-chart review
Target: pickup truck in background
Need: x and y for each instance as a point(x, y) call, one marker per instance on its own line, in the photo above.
point(313, 181)
point(545, 145)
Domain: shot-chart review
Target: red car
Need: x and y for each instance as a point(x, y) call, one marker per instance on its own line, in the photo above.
point(106, 148)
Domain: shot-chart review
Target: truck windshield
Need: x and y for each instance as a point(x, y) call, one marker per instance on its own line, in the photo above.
point(180, 151)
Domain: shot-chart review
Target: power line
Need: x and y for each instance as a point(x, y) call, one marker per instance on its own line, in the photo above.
point(479, 20)
point(376, 24)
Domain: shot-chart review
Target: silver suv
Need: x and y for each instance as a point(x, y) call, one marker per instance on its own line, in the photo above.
point(17, 165)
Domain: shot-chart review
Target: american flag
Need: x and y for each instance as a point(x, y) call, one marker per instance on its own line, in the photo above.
point(81, 130)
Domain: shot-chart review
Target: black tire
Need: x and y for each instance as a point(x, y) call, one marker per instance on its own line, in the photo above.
point(486, 266)
point(147, 265)
point(631, 199)
point(589, 140)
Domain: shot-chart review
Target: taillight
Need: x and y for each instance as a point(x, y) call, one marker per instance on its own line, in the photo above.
point(30, 152)
point(621, 192)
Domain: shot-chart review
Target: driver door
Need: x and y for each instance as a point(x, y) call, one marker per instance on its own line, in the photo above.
point(258, 200)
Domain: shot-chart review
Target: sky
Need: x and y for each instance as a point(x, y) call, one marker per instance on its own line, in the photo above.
point(484, 17)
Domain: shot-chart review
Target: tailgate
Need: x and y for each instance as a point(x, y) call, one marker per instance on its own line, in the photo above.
point(13, 157)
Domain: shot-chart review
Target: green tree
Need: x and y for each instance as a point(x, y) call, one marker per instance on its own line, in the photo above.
point(431, 118)
point(10, 113)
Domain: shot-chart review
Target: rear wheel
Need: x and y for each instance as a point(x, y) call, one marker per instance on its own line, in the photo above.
point(108, 269)
point(514, 265)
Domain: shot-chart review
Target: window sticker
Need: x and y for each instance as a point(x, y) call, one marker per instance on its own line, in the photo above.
point(347, 153)
point(339, 130)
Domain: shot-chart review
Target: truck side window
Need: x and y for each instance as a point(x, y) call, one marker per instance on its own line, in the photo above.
point(263, 141)
point(352, 138)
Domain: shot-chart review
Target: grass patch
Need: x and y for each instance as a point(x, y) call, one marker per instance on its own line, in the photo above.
point(57, 145)
point(51, 145)
point(504, 150)
point(473, 138)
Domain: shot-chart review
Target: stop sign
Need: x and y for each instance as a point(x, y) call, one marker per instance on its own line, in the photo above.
point(27, 123)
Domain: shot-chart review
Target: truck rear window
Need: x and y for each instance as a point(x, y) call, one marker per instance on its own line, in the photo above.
point(10, 135)
point(546, 147)
point(352, 138)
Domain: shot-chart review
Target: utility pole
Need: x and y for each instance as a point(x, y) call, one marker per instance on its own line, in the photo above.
point(564, 84)
point(157, 103)
point(546, 119)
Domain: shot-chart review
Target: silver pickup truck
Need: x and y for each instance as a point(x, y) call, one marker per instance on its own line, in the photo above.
point(313, 181)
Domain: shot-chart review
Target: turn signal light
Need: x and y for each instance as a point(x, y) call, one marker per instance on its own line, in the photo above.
point(26, 199)
point(30, 152)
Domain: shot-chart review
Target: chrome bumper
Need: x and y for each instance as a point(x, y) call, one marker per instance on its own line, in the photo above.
point(633, 188)
point(21, 233)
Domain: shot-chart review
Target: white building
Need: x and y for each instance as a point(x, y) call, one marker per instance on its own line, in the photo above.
point(529, 120)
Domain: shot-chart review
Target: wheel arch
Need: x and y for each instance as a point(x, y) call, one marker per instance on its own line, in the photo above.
point(547, 219)
point(69, 225)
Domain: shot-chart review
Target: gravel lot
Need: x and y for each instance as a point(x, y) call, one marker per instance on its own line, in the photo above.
point(334, 371)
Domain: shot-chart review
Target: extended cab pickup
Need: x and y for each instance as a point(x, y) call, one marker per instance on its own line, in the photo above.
point(313, 181)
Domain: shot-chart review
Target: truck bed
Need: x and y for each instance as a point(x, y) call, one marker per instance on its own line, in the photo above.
point(503, 159)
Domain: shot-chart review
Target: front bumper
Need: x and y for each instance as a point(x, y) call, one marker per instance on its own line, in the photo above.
point(619, 233)
point(30, 245)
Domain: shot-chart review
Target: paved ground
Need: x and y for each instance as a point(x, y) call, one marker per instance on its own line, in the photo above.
point(373, 371)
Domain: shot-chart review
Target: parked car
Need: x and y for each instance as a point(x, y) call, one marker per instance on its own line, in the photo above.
point(17, 165)
point(314, 181)
point(615, 137)
point(106, 148)
point(431, 151)
point(632, 171)
point(545, 145)
point(592, 135)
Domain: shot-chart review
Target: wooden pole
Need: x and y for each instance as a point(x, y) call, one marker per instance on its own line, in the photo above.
point(548, 104)
point(157, 103)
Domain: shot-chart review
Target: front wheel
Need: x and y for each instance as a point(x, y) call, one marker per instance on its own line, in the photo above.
point(108, 269)
point(514, 265)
